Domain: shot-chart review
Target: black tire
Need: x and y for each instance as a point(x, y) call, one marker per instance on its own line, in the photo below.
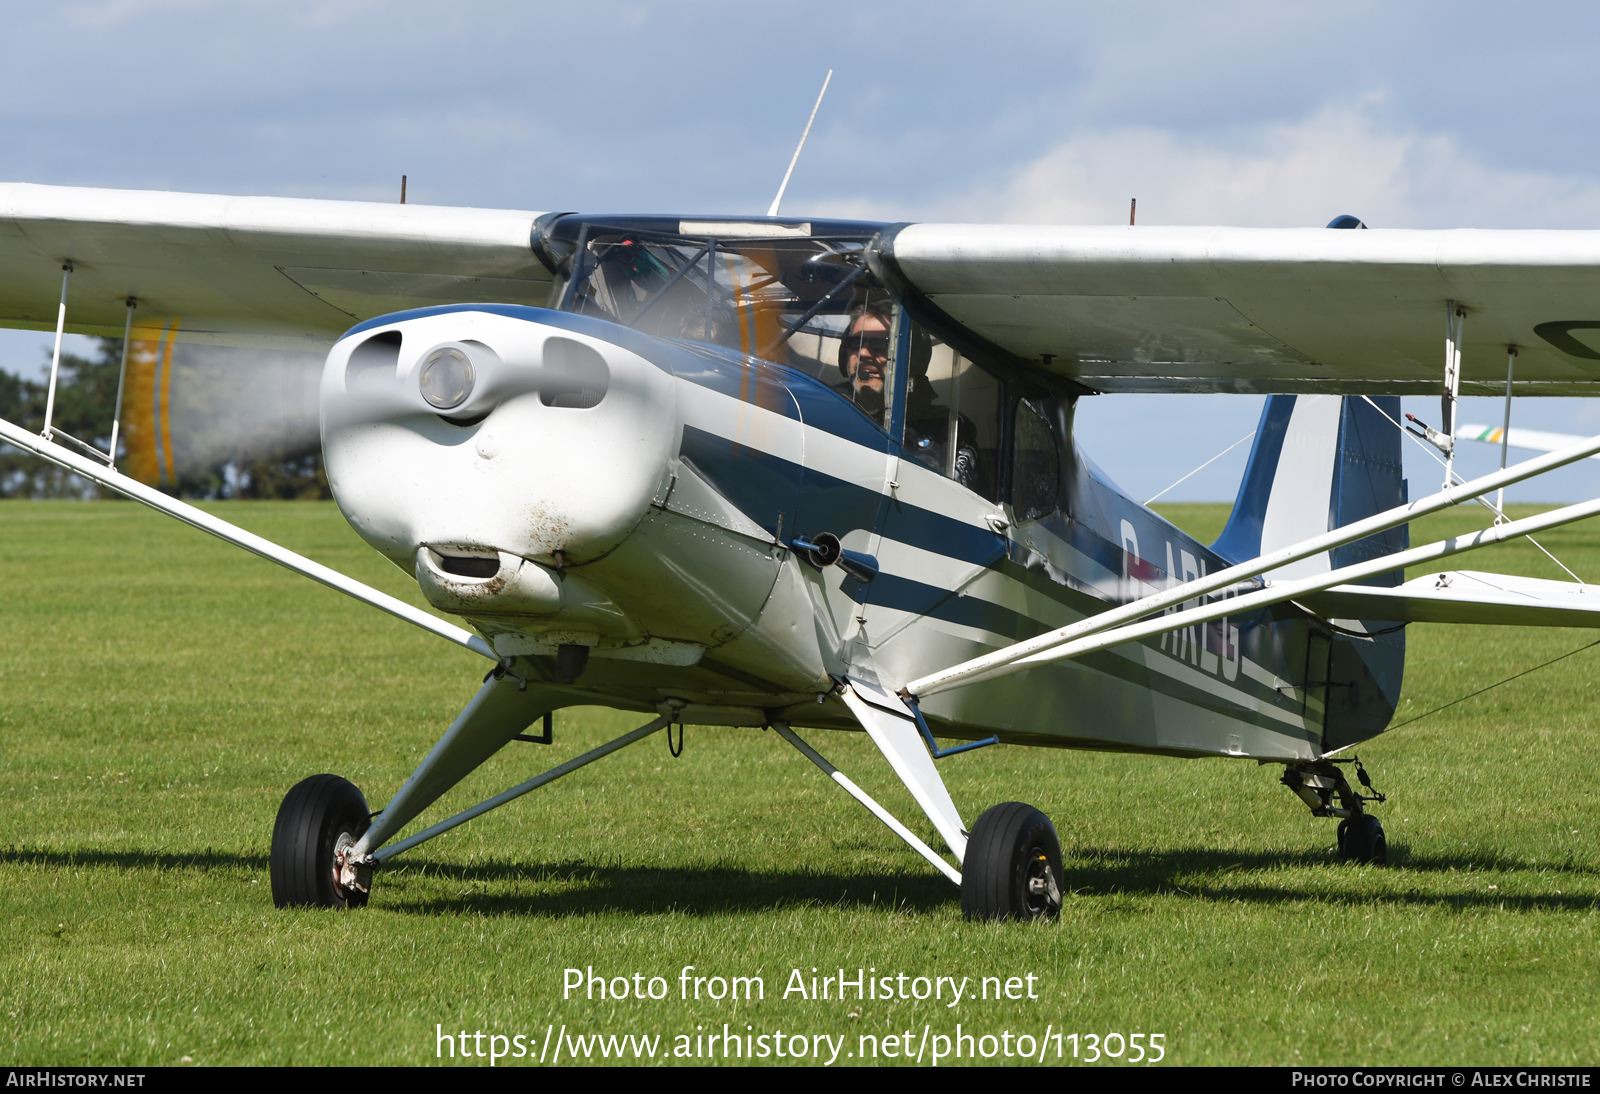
point(1012, 868)
point(314, 814)
point(1364, 841)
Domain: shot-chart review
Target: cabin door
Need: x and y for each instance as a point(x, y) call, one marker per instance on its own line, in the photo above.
point(1319, 665)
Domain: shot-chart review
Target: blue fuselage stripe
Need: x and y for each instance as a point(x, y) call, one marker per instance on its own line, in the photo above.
point(762, 485)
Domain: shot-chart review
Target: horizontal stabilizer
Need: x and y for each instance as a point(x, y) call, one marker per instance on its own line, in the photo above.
point(1464, 596)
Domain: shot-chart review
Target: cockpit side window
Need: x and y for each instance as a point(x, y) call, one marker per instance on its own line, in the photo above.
point(1035, 464)
point(953, 414)
point(867, 360)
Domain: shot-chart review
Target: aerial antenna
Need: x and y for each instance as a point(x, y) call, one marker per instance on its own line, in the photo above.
point(784, 185)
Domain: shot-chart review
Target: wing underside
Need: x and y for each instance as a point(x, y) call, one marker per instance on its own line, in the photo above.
point(1147, 309)
point(284, 270)
point(1268, 310)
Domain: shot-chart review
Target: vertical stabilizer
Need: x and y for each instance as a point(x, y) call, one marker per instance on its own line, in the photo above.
point(1321, 462)
point(1318, 463)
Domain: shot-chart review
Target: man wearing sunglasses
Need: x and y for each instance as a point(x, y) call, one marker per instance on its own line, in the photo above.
point(864, 360)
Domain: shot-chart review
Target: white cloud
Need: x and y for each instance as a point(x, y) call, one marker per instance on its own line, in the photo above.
point(1340, 160)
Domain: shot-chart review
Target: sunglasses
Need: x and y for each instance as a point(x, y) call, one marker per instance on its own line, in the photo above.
point(875, 344)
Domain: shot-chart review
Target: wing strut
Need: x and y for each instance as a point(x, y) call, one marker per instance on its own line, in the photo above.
point(1505, 431)
point(122, 379)
point(49, 432)
point(1455, 318)
point(994, 664)
point(62, 457)
point(866, 799)
point(1279, 592)
point(55, 358)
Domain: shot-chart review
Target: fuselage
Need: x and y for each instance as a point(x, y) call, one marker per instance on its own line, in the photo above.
point(623, 502)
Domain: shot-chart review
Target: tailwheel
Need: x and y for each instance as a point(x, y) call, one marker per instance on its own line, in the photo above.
point(1012, 868)
point(320, 819)
point(1318, 783)
point(1361, 839)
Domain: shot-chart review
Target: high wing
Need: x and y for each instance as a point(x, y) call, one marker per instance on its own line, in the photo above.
point(1115, 309)
point(282, 269)
point(1153, 309)
point(1465, 596)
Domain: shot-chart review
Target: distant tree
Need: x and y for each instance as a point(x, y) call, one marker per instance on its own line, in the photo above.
point(219, 457)
point(291, 479)
point(86, 390)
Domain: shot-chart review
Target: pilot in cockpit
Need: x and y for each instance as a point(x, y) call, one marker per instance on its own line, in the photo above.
point(930, 428)
point(864, 359)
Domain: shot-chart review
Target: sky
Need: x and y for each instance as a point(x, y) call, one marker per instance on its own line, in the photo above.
point(1272, 114)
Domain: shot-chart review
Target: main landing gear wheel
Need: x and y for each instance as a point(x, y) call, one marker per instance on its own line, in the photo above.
point(320, 818)
point(1012, 869)
point(1361, 838)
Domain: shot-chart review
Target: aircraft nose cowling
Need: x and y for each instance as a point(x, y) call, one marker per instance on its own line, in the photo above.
point(469, 432)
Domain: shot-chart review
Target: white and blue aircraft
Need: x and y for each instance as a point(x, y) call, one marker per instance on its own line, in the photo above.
point(802, 474)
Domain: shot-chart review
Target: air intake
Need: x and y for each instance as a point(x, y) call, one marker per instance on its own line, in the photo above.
point(373, 360)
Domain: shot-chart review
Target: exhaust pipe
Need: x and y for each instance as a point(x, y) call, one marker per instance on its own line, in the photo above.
point(825, 550)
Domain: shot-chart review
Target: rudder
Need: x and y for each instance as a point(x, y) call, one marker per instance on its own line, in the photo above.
point(1321, 462)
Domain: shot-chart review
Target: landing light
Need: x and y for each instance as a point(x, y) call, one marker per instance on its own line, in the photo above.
point(447, 376)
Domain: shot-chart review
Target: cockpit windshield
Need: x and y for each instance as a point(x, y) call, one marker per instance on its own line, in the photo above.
point(797, 293)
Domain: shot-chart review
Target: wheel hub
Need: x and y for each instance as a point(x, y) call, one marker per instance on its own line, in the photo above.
point(1040, 883)
point(349, 872)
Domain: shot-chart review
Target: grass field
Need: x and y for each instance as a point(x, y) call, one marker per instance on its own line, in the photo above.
point(159, 692)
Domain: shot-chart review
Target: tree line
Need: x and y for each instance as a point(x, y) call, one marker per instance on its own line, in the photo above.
point(234, 423)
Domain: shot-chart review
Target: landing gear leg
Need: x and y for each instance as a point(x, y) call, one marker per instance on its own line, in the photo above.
point(1360, 834)
point(323, 840)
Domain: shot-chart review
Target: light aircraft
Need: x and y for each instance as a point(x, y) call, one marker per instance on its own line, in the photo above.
point(807, 474)
point(1538, 440)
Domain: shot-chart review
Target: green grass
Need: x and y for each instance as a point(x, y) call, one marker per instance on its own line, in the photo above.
point(160, 691)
